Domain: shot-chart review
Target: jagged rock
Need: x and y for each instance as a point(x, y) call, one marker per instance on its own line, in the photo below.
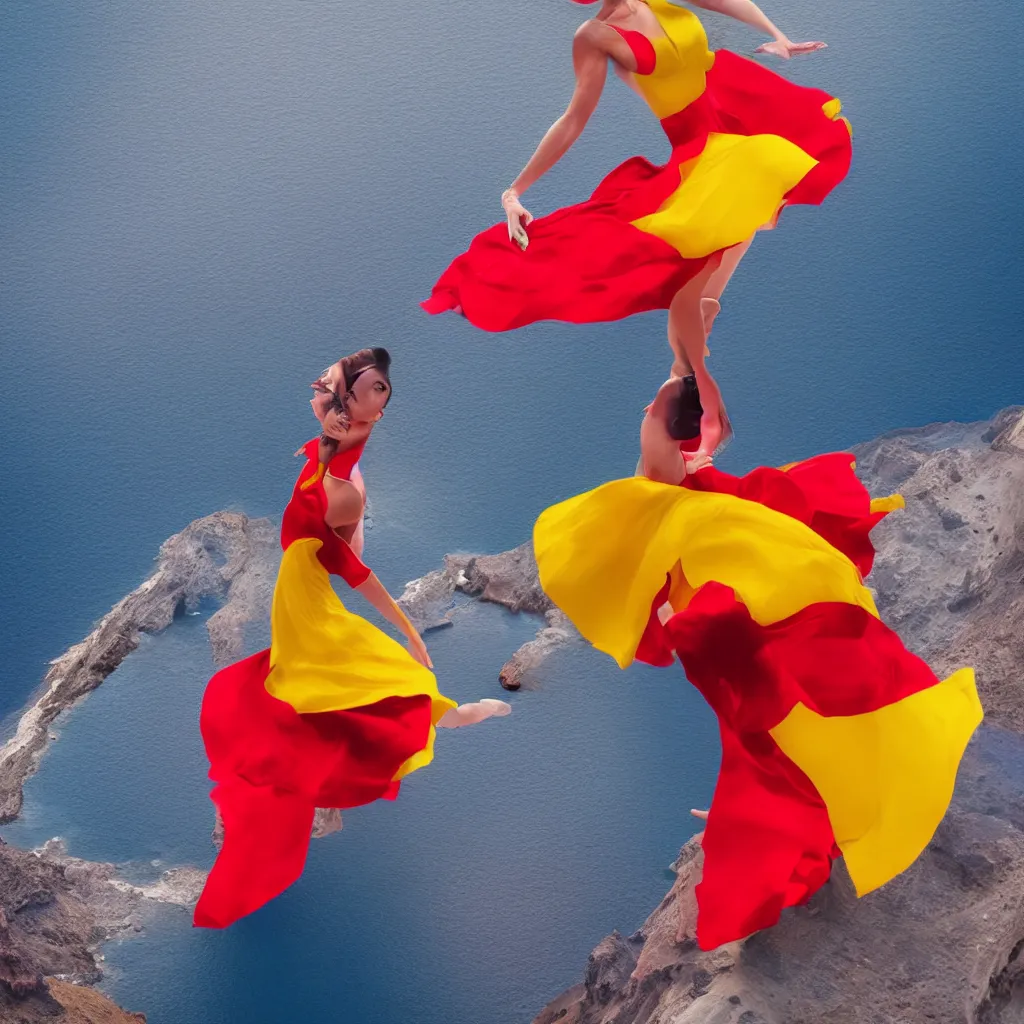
point(225, 556)
point(956, 596)
point(522, 667)
point(428, 600)
point(326, 821)
point(47, 928)
point(944, 942)
point(508, 579)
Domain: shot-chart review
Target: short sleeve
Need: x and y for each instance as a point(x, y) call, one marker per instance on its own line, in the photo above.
point(339, 559)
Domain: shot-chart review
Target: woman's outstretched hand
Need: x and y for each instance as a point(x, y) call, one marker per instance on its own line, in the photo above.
point(698, 461)
point(785, 48)
point(518, 218)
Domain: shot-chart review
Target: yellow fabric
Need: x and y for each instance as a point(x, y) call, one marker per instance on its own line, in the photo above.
point(887, 776)
point(888, 504)
point(325, 658)
point(603, 556)
point(831, 110)
point(738, 183)
point(734, 187)
point(314, 479)
point(680, 593)
point(682, 61)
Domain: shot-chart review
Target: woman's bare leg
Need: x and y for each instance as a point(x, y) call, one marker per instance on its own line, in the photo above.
point(710, 306)
point(686, 336)
point(693, 309)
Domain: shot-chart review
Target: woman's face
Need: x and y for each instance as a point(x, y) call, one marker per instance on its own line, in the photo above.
point(321, 400)
point(369, 395)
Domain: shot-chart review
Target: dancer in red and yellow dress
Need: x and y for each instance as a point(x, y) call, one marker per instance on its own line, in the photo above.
point(745, 143)
point(335, 714)
point(836, 740)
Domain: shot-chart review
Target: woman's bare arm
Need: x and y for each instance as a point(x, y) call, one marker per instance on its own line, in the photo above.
point(592, 45)
point(747, 12)
point(590, 63)
point(374, 592)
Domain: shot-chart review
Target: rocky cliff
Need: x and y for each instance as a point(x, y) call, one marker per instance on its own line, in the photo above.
point(56, 910)
point(48, 941)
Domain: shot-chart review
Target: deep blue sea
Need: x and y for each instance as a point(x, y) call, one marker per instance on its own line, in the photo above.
point(201, 205)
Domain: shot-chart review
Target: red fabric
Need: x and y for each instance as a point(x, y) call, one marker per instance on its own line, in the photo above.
point(304, 517)
point(273, 767)
point(743, 97)
point(642, 47)
point(823, 492)
point(768, 842)
point(587, 263)
point(342, 464)
point(654, 648)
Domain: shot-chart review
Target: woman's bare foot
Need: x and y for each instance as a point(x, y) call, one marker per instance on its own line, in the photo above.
point(703, 815)
point(471, 714)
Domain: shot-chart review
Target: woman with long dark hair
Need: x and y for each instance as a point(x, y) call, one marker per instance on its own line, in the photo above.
point(335, 713)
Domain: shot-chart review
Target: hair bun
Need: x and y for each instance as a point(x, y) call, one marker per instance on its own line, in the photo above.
point(685, 411)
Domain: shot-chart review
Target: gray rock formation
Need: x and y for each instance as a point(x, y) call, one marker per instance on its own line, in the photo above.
point(943, 942)
point(509, 579)
point(49, 938)
point(225, 556)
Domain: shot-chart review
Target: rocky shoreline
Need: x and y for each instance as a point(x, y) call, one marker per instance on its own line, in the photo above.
point(56, 912)
point(941, 943)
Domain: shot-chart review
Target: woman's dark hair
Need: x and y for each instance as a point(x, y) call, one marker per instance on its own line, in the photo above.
point(353, 367)
point(358, 363)
point(684, 410)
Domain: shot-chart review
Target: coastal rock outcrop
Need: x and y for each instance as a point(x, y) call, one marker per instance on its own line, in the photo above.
point(225, 556)
point(944, 942)
point(509, 579)
point(49, 939)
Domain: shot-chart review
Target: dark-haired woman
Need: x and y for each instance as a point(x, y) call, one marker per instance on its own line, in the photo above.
point(835, 739)
point(335, 713)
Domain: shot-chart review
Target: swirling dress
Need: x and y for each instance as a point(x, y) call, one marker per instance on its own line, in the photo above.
point(745, 142)
point(835, 738)
point(334, 714)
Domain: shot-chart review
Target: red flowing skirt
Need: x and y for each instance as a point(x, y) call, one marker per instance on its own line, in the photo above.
point(273, 767)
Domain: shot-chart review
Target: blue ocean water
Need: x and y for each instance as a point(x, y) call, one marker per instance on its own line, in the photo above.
point(204, 204)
